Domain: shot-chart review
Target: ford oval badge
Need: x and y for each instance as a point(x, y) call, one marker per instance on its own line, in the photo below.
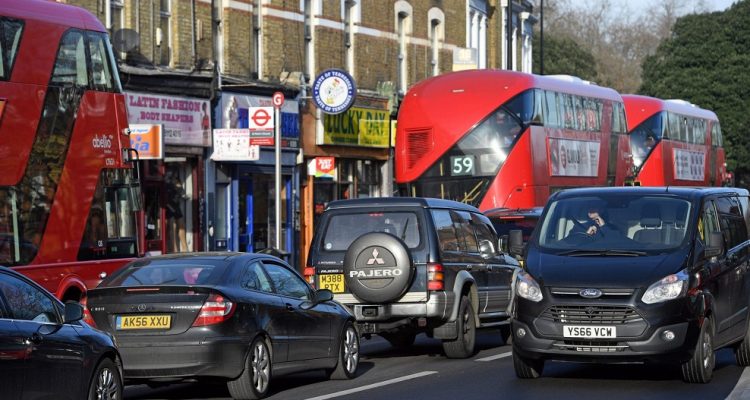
point(590, 293)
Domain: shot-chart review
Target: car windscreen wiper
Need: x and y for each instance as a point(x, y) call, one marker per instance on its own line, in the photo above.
point(593, 253)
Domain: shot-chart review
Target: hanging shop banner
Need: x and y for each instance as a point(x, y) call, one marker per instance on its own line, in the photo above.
point(322, 167)
point(234, 145)
point(147, 140)
point(689, 165)
point(239, 111)
point(357, 127)
point(186, 121)
point(334, 91)
point(573, 157)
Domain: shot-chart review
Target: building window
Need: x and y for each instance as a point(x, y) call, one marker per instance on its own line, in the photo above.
point(436, 31)
point(403, 30)
point(476, 25)
point(349, 9)
point(309, 38)
point(116, 16)
point(164, 33)
point(258, 38)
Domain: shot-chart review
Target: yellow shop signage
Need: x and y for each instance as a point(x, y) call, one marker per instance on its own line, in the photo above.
point(358, 127)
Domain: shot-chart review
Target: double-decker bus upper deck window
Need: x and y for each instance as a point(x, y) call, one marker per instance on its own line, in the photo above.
point(70, 65)
point(101, 67)
point(716, 139)
point(10, 37)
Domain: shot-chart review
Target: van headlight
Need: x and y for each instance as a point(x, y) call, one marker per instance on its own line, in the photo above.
point(668, 288)
point(527, 287)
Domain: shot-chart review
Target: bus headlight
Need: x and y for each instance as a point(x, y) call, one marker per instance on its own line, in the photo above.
point(527, 287)
point(668, 288)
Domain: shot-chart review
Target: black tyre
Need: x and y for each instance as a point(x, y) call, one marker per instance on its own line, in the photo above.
point(255, 379)
point(504, 334)
point(527, 369)
point(106, 384)
point(700, 368)
point(378, 268)
point(348, 360)
point(464, 344)
point(400, 339)
point(742, 350)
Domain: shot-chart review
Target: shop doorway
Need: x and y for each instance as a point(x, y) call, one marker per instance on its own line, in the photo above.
point(257, 223)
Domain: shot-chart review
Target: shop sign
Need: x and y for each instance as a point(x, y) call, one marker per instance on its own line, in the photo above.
point(333, 91)
point(234, 145)
point(147, 141)
point(261, 126)
point(186, 121)
point(235, 113)
point(322, 167)
point(358, 127)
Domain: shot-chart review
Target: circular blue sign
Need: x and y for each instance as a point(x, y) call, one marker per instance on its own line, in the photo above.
point(334, 91)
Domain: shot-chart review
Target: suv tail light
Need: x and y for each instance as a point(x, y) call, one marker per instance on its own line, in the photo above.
point(309, 274)
point(87, 317)
point(215, 309)
point(435, 277)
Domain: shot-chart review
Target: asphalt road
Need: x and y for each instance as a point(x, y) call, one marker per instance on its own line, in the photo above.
point(422, 372)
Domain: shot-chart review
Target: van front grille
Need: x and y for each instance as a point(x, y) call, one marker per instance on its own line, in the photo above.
point(591, 314)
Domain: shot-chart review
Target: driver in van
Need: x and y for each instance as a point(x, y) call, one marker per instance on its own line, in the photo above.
point(597, 222)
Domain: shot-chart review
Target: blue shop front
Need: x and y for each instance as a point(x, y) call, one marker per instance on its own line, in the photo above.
point(240, 181)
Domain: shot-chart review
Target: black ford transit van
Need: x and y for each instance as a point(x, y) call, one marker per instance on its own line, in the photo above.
point(635, 274)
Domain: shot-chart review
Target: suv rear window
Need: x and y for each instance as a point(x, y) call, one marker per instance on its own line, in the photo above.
point(343, 229)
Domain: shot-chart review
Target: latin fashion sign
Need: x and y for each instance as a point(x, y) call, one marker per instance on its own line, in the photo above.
point(186, 121)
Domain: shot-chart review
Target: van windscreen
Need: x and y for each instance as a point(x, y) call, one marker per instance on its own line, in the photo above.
point(343, 229)
point(615, 222)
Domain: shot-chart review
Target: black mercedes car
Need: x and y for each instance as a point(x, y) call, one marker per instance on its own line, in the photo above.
point(237, 317)
point(45, 349)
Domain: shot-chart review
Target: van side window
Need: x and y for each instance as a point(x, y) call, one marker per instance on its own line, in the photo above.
point(484, 233)
point(710, 223)
point(732, 224)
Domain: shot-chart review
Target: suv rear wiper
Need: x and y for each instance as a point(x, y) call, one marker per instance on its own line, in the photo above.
point(590, 253)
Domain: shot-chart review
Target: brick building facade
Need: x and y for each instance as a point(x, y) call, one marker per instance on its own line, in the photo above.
point(248, 49)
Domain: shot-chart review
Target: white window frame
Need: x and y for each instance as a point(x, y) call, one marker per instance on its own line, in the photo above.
point(476, 32)
point(403, 22)
point(436, 35)
point(166, 37)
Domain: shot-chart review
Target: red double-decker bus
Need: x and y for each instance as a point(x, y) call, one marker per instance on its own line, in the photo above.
point(68, 191)
point(494, 138)
point(674, 143)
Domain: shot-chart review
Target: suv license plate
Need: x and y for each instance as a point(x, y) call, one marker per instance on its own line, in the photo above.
point(332, 282)
point(579, 331)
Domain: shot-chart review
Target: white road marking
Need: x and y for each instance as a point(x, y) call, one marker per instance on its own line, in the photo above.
point(495, 357)
point(373, 386)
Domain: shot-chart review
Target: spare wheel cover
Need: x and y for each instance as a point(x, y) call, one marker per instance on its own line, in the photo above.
point(378, 268)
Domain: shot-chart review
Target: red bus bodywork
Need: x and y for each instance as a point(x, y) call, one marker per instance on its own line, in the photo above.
point(439, 112)
point(72, 157)
point(692, 156)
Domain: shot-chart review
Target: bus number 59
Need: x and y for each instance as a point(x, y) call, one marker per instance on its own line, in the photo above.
point(462, 165)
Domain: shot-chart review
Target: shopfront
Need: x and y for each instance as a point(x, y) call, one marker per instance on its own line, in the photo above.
point(241, 177)
point(171, 178)
point(347, 156)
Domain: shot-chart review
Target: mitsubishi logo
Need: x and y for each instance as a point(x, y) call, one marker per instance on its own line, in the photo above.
point(375, 259)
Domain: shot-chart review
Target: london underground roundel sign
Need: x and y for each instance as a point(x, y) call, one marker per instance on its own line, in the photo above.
point(334, 91)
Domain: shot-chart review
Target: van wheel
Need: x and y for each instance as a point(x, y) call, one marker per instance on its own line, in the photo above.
point(700, 368)
point(527, 369)
point(742, 351)
point(504, 334)
point(254, 381)
point(463, 345)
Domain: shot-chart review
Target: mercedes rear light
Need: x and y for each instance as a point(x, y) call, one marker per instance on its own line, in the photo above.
point(435, 277)
point(309, 274)
point(87, 317)
point(216, 309)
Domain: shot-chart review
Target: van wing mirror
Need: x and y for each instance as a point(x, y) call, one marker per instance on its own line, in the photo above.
point(502, 243)
point(716, 248)
point(515, 242)
point(73, 312)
